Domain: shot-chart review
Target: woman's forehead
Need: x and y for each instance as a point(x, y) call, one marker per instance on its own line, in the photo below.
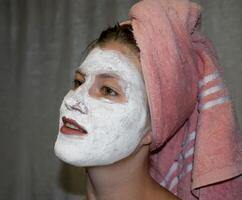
point(109, 61)
point(122, 49)
point(125, 50)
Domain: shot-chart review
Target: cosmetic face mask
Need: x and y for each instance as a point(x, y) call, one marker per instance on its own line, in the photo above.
point(113, 130)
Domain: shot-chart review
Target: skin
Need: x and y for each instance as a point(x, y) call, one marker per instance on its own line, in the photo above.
point(128, 178)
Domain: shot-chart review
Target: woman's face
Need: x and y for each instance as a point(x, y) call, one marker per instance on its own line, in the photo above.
point(105, 116)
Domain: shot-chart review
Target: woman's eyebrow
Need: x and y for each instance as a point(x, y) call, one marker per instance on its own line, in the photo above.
point(107, 75)
point(78, 71)
point(102, 75)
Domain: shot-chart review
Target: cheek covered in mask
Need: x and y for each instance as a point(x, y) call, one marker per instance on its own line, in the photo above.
point(113, 129)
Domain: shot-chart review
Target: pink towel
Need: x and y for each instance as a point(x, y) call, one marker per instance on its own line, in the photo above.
point(197, 145)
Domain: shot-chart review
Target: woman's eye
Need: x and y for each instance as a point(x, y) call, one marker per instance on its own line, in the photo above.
point(77, 83)
point(107, 91)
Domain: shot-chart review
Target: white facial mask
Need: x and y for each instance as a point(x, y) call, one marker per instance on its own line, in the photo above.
point(114, 129)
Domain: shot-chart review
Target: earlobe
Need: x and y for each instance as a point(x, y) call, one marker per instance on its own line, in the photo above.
point(147, 139)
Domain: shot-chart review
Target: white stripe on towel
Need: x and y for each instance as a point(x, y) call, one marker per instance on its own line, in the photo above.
point(208, 78)
point(211, 90)
point(172, 169)
point(189, 153)
point(173, 183)
point(176, 179)
point(190, 137)
point(174, 166)
point(188, 169)
point(213, 103)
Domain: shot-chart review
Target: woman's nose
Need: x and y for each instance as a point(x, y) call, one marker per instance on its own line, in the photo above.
point(72, 104)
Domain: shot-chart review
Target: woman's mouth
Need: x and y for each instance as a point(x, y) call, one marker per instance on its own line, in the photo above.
point(71, 127)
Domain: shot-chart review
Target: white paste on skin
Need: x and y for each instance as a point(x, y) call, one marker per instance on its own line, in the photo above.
point(114, 129)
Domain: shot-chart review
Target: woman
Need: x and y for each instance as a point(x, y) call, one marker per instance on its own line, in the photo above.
point(142, 116)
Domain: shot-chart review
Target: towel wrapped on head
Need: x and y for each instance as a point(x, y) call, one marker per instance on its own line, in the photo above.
point(197, 147)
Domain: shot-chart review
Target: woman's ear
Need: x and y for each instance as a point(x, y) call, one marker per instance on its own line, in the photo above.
point(147, 139)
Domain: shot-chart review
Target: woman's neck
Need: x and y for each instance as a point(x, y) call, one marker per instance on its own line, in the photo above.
point(127, 179)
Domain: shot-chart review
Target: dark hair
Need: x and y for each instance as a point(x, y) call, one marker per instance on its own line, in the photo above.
point(119, 33)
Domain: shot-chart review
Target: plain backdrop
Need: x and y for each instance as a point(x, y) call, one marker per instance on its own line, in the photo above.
point(41, 42)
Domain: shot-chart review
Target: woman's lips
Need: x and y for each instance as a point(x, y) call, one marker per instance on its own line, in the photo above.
point(71, 127)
